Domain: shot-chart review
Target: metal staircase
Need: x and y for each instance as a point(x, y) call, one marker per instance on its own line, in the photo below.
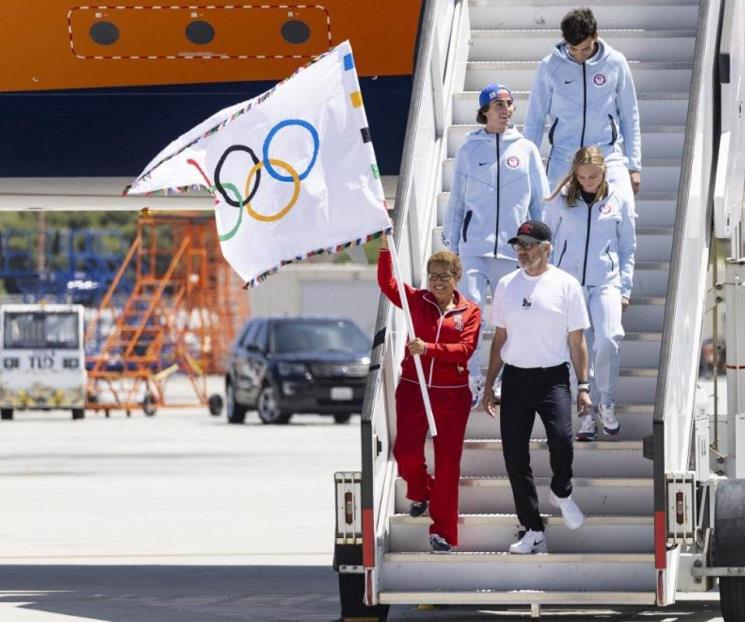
point(610, 560)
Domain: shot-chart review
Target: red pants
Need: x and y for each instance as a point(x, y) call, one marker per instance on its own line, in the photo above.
point(450, 408)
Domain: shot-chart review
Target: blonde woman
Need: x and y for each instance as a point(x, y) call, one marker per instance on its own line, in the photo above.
point(594, 233)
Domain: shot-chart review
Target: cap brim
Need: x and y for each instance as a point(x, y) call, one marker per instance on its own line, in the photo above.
point(528, 239)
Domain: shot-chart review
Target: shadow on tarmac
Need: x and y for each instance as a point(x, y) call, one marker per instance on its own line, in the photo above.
point(170, 593)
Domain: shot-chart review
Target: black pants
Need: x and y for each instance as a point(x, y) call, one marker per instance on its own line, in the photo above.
point(544, 390)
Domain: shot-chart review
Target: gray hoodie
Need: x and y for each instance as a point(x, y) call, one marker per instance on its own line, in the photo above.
point(498, 183)
point(590, 103)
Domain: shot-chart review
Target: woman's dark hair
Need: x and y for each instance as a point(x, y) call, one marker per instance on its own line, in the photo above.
point(481, 115)
point(578, 25)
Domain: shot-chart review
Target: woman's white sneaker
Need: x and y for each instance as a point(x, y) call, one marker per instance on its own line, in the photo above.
point(607, 413)
point(587, 429)
point(531, 542)
point(570, 512)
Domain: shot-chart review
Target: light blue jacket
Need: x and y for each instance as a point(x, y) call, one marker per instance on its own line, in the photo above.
point(590, 103)
point(595, 245)
point(498, 183)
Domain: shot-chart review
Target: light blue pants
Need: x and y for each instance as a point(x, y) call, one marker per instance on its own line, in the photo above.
point(604, 340)
point(617, 176)
point(480, 277)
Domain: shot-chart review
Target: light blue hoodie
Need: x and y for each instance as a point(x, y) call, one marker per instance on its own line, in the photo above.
point(590, 103)
point(498, 183)
point(595, 245)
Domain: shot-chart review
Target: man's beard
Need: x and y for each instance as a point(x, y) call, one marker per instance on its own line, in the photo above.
point(529, 263)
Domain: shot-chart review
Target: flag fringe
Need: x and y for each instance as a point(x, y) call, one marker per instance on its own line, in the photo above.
point(321, 251)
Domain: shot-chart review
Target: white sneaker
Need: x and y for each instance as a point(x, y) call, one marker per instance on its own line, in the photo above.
point(476, 384)
point(570, 512)
point(531, 542)
point(611, 425)
point(587, 429)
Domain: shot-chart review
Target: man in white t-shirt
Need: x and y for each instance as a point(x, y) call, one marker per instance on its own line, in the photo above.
point(540, 317)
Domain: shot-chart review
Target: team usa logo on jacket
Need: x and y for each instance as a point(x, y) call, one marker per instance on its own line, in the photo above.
point(458, 321)
point(599, 79)
point(605, 208)
point(513, 162)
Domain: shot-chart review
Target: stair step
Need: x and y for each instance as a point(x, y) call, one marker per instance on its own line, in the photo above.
point(636, 423)
point(660, 175)
point(652, 243)
point(600, 458)
point(595, 495)
point(651, 45)
point(679, 14)
point(652, 209)
point(649, 77)
point(654, 108)
point(658, 141)
point(517, 597)
point(502, 571)
point(495, 532)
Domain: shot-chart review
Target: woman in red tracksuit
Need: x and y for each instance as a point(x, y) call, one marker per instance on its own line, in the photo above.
point(446, 326)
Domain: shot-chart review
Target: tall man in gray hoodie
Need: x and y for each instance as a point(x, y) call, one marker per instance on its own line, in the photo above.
point(585, 89)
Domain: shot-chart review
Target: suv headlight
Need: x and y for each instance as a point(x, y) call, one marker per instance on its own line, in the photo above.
point(290, 369)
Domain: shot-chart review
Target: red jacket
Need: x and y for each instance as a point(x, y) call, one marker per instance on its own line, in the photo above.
point(451, 337)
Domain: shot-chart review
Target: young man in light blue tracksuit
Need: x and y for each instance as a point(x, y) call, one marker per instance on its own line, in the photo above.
point(594, 234)
point(585, 89)
point(498, 183)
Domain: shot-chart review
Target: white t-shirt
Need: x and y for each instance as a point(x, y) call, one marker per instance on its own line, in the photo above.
point(538, 313)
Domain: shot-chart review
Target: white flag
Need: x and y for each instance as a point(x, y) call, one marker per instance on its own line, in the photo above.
point(292, 171)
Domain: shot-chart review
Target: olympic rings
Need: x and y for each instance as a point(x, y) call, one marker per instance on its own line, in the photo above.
point(267, 163)
point(294, 177)
point(219, 185)
point(265, 150)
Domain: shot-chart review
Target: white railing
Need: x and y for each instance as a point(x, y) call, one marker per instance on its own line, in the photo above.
point(684, 309)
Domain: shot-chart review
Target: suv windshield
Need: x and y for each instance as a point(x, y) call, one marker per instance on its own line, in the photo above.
point(319, 336)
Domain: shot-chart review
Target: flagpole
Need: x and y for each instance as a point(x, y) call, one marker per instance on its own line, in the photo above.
point(410, 325)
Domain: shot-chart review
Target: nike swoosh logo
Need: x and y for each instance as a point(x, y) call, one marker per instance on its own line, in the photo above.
point(483, 163)
point(569, 81)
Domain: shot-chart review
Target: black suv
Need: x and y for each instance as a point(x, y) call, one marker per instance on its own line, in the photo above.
point(280, 366)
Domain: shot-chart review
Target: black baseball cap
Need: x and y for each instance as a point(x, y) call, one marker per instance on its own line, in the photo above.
point(531, 232)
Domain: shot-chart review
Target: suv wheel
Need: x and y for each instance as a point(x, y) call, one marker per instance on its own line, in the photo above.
point(268, 409)
point(342, 417)
point(236, 412)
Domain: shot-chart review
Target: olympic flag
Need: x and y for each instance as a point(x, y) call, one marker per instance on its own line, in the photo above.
point(292, 171)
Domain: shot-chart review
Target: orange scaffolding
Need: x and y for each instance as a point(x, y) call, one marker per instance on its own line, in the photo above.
point(181, 314)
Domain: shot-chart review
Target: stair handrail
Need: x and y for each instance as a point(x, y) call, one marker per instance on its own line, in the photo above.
point(684, 305)
point(106, 300)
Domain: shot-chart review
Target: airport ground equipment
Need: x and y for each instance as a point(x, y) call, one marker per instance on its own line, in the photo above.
point(657, 520)
point(42, 358)
point(181, 315)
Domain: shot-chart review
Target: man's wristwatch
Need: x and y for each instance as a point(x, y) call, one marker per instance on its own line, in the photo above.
point(583, 386)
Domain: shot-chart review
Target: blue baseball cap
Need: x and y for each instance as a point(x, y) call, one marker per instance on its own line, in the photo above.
point(493, 91)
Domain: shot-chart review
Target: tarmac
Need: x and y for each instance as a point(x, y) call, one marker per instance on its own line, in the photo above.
point(181, 517)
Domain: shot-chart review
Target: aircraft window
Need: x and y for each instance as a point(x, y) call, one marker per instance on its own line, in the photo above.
point(104, 33)
point(295, 31)
point(200, 33)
